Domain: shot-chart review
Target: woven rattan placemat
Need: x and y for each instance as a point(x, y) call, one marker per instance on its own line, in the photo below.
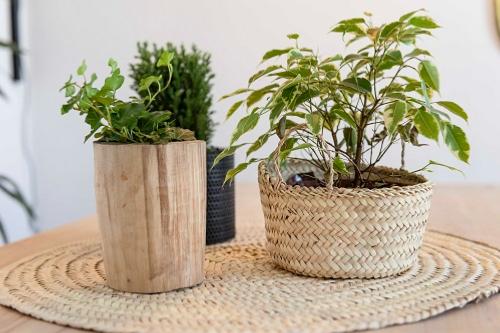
point(244, 291)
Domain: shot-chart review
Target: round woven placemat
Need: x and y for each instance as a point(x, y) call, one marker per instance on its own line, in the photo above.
point(244, 291)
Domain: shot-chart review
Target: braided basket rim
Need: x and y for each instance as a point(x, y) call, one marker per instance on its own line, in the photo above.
point(418, 183)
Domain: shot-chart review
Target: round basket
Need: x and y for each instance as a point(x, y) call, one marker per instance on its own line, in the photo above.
point(344, 232)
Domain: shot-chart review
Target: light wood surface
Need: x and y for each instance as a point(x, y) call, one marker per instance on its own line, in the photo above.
point(151, 209)
point(472, 212)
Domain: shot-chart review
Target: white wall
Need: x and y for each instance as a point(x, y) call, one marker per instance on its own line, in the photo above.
point(237, 33)
point(12, 122)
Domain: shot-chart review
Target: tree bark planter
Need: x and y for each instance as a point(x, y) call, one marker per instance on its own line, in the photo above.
point(151, 205)
point(344, 233)
point(220, 199)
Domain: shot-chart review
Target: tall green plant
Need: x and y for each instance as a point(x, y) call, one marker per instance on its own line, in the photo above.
point(113, 120)
point(188, 96)
point(345, 111)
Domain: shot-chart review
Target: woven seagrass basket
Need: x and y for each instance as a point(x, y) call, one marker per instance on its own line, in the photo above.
point(344, 232)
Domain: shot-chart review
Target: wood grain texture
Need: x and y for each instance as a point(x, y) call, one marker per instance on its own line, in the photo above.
point(469, 211)
point(150, 203)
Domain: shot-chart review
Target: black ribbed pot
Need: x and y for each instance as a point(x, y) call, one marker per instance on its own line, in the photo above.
point(220, 199)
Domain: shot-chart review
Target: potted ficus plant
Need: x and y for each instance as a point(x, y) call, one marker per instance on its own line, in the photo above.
point(336, 212)
point(189, 98)
point(149, 183)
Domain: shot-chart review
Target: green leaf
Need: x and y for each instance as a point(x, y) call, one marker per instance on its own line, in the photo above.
point(342, 114)
point(227, 152)
point(113, 64)
point(300, 98)
point(233, 109)
point(314, 122)
point(395, 56)
point(416, 52)
point(339, 165)
point(396, 95)
point(293, 36)
point(285, 153)
point(456, 140)
point(276, 108)
point(293, 73)
point(113, 82)
point(355, 20)
point(455, 109)
point(67, 107)
point(330, 69)
point(393, 116)
point(389, 29)
point(82, 68)
point(431, 162)
point(69, 90)
point(130, 114)
point(233, 172)
point(146, 82)
point(336, 57)
point(295, 54)
point(244, 125)
point(289, 143)
point(165, 59)
point(355, 56)
point(275, 53)
point(410, 14)
point(426, 124)
point(263, 72)
point(261, 140)
point(93, 119)
point(236, 92)
point(391, 59)
point(424, 22)
point(360, 85)
point(281, 128)
point(257, 95)
point(350, 137)
point(348, 28)
point(429, 73)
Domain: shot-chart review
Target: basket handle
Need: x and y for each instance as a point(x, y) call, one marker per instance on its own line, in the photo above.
point(282, 141)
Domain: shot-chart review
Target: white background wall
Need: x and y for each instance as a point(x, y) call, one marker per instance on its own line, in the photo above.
point(13, 125)
point(237, 33)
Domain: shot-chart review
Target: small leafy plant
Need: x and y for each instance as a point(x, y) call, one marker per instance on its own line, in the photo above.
point(345, 111)
point(188, 96)
point(113, 120)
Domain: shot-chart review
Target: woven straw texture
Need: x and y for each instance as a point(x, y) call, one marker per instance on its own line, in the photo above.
point(245, 292)
point(344, 233)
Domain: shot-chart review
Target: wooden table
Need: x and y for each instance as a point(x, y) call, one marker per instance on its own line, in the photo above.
point(473, 212)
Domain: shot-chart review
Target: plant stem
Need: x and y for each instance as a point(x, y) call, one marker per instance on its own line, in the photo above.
point(357, 157)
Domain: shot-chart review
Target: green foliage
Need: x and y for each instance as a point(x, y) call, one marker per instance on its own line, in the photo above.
point(188, 97)
point(113, 120)
point(345, 111)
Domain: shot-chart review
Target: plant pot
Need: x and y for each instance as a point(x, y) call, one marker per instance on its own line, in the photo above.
point(220, 199)
point(344, 232)
point(151, 205)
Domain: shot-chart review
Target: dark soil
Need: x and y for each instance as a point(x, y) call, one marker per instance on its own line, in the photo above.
point(309, 180)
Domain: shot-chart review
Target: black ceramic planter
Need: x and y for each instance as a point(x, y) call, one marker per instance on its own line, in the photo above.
point(220, 199)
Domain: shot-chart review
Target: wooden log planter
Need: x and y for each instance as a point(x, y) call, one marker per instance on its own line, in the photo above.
point(151, 205)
